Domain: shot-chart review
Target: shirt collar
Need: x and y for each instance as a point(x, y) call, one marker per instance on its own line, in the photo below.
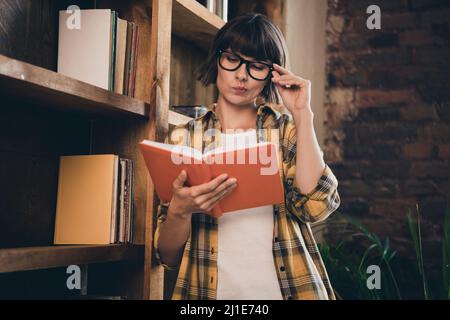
point(264, 109)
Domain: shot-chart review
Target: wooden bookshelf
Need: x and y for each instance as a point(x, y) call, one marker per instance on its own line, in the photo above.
point(34, 258)
point(194, 22)
point(31, 83)
point(45, 115)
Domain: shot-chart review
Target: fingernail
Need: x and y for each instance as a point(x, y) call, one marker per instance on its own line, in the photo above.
point(233, 180)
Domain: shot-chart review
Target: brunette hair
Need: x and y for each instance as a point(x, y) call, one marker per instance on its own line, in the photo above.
point(253, 35)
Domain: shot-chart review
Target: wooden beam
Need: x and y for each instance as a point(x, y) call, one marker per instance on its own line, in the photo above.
point(194, 22)
point(160, 75)
point(41, 86)
point(35, 258)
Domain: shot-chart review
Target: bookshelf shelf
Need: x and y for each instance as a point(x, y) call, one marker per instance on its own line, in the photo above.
point(35, 258)
point(193, 22)
point(38, 85)
point(46, 114)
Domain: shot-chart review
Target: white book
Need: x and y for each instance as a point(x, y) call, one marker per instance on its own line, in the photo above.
point(84, 53)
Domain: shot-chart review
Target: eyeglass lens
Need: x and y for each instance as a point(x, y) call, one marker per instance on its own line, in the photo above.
point(231, 62)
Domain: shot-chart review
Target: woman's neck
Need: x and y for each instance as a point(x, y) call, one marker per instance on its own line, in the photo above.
point(232, 116)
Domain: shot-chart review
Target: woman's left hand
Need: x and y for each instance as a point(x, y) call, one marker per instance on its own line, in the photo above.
point(295, 91)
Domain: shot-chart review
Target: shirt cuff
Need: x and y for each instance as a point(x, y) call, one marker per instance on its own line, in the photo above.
point(327, 184)
point(317, 205)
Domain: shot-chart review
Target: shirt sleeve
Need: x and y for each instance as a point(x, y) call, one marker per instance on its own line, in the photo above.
point(177, 136)
point(320, 202)
point(161, 217)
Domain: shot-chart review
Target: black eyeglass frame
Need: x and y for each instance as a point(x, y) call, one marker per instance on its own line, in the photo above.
point(247, 65)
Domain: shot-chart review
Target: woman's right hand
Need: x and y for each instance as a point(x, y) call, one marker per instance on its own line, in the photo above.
point(200, 198)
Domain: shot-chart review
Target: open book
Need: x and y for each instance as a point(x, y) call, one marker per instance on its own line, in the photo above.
point(255, 167)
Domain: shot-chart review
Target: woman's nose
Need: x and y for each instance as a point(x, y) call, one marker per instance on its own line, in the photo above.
point(241, 73)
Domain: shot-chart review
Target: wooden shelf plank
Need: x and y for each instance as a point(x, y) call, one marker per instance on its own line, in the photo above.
point(22, 80)
point(194, 22)
point(176, 118)
point(34, 258)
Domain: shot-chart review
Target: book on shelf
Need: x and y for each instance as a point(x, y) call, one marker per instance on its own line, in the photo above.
point(102, 51)
point(121, 48)
point(218, 7)
point(221, 9)
point(94, 200)
point(255, 167)
point(112, 56)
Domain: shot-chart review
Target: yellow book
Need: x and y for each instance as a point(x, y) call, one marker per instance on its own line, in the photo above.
point(87, 200)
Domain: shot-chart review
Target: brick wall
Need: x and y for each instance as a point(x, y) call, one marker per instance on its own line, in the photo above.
point(388, 114)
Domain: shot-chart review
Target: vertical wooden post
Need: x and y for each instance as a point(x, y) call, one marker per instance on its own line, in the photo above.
point(275, 11)
point(160, 77)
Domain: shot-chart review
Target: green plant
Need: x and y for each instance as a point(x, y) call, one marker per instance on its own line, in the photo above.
point(348, 271)
point(446, 257)
point(417, 240)
point(348, 281)
point(384, 255)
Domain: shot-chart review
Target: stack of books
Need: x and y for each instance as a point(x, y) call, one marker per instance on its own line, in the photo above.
point(218, 7)
point(100, 50)
point(95, 200)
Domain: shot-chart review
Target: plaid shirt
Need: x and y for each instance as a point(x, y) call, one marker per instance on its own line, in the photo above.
point(300, 269)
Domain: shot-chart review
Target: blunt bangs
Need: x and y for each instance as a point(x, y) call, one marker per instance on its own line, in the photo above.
point(252, 35)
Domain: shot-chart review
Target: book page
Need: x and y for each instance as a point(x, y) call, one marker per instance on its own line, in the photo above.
point(184, 150)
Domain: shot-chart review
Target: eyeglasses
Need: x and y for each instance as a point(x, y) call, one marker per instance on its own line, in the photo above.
point(256, 69)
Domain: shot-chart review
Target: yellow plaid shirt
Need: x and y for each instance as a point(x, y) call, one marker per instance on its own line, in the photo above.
point(300, 269)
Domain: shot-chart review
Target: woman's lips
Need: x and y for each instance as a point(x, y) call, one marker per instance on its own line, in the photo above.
point(239, 90)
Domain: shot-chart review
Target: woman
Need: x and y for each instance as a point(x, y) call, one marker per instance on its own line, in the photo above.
point(259, 253)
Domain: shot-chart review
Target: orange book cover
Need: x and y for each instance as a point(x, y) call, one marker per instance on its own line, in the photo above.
point(255, 167)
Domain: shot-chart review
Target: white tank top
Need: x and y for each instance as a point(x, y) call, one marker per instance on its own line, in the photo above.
point(246, 267)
